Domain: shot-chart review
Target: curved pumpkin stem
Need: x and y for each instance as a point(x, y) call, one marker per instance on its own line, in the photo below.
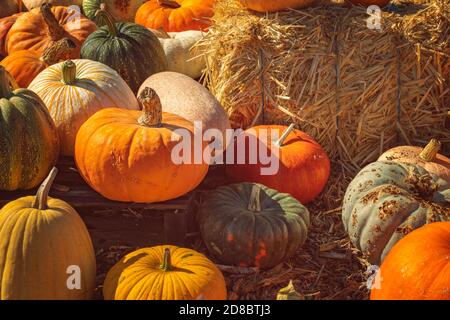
point(40, 201)
point(280, 142)
point(69, 72)
point(167, 261)
point(151, 108)
point(169, 4)
point(58, 51)
point(254, 204)
point(55, 30)
point(430, 151)
point(105, 18)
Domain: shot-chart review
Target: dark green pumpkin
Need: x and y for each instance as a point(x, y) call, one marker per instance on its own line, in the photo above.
point(29, 145)
point(248, 224)
point(130, 49)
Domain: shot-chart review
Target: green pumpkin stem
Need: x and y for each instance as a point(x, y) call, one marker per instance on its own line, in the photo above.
point(430, 151)
point(151, 108)
point(5, 83)
point(58, 51)
point(254, 204)
point(279, 143)
point(103, 17)
point(69, 72)
point(167, 262)
point(40, 201)
point(169, 4)
point(55, 31)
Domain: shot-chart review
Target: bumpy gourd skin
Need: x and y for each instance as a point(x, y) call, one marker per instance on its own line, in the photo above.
point(387, 200)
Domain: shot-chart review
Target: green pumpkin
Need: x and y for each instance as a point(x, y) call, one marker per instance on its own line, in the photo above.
point(248, 224)
point(29, 145)
point(130, 49)
point(387, 200)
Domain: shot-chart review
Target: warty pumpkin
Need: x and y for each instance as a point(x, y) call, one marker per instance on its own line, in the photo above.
point(126, 155)
point(418, 266)
point(248, 224)
point(42, 242)
point(165, 273)
point(31, 4)
point(122, 10)
point(75, 90)
point(304, 166)
point(176, 16)
point(185, 97)
point(25, 65)
point(275, 5)
point(182, 56)
point(428, 158)
point(29, 144)
point(387, 200)
point(39, 28)
point(132, 50)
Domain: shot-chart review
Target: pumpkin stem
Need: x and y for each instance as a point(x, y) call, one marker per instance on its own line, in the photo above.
point(58, 51)
point(69, 72)
point(40, 201)
point(430, 151)
point(151, 108)
point(167, 263)
point(5, 83)
point(54, 29)
point(169, 4)
point(279, 143)
point(254, 204)
point(103, 17)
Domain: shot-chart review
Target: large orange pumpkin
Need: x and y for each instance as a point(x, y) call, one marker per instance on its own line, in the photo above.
point(25, 65)
point(304, 167)
point(175, 16)
point(417, 267)
point(37, 29)
point(275, 5)
point(126, 155)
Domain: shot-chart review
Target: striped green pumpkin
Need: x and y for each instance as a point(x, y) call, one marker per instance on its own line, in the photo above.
point(130, 49)
point(29, 145)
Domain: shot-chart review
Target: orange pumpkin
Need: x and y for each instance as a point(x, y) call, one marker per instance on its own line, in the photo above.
point(417, 267)
point(428, 158)
point(275, 5)
point(304, 167)
point(37, 29)
point(5, 25)
point(175, 16)
point(126, 155)
point(25, 65)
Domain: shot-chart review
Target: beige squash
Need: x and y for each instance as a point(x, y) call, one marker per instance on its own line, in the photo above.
point(181, 55)
point(31, 4)
point(75, 90)
point(187, 98)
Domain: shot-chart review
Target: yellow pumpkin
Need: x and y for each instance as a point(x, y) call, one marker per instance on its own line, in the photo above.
point(75, 90)
point(45, 249)
point(164, 273)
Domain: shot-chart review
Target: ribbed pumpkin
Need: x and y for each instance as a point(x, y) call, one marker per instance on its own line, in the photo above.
point(10, 7)
point(25, 65)
point(428, 158)
point(29, 145)
point(176, 16)
point(75, 90)
point(418, 266)
point(31, 4)
point(127, 156)
point(121, 10)
point(5, 25)
point(43, 241)
point(133, 51)
point(37, 29)
point(275, 5)
point(387, 200)
point(304, 167)
point(165, 273)
point(249, 224)
point(187, 98)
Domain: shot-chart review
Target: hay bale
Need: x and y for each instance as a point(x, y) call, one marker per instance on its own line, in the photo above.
point(357, 91)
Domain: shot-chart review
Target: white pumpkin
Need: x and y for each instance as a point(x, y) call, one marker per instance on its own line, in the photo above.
point(181, 55)
point(31, 4)
point(75, 90)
